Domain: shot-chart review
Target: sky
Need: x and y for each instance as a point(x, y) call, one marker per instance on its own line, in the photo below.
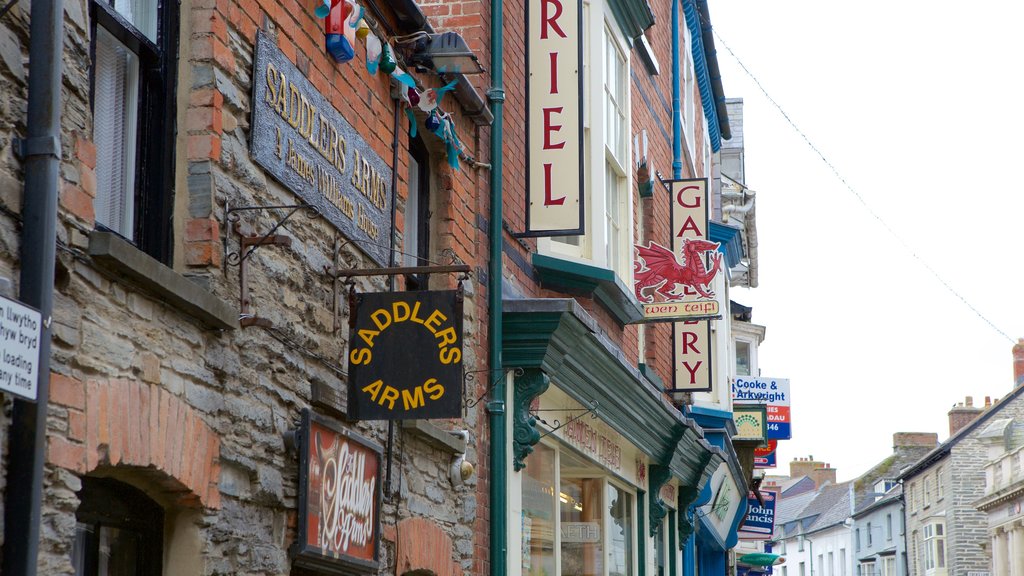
point(920, 107)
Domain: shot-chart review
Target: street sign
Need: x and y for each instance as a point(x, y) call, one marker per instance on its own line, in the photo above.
point(20, 334)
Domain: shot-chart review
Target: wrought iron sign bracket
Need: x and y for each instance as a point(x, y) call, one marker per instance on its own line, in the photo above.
point(664, 184)
point(525, 435)
point(248, 244)
point(559, 425)
point(471, 375)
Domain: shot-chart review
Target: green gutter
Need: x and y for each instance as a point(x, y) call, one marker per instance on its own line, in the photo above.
point(496, 407)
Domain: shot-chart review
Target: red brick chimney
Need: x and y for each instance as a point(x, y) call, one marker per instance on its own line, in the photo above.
point(1018, 363)
point(803, 467)
point(823, 474)
point(963, 414)
point(915, 439)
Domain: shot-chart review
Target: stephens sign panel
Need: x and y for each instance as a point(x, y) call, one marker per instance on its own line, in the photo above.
point(760, 521)
point(554, 128)
point(773, 393)
point(300, 139)
point(405, 355)
point(339, 499)
point(691, 340)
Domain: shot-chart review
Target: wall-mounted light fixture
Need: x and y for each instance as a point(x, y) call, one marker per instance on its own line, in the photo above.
point(446, 53)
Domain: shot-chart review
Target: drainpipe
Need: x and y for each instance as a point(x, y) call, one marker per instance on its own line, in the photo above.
point(41, 149)
point(677, 109)
point(496, 406)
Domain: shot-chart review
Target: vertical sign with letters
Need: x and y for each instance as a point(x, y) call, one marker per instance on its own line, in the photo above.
point(691, 340)
point(554, 127)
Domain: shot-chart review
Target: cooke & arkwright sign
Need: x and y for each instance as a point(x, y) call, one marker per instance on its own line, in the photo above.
point(307, 145)
point(405, 355)
point(339, 499)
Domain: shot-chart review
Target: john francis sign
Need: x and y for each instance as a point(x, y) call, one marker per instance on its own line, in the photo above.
point(307, 145)
point(405, 355)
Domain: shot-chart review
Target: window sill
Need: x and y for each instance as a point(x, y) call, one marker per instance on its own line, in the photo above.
point(583, 279)
point(436, 436)
point(116, 254)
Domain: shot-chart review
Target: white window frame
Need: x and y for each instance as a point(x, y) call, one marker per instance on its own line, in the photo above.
point(867, 568)
point(934, 541)
point(927, 491)
point(939, 488)
point(591, 248)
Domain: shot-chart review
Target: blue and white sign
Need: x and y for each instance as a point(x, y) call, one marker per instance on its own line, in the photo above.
point(760, 521)
point(773, 393)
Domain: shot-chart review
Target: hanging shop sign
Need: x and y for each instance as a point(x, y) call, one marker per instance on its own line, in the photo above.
point(405, 355)
point(760, 521)
point(773, 393)
point(725, 503)
point(696, 262)
point(554, 127)
point(766, 457)
point(678, 283)
point(301, 140)
point(339, 499)
point(751, 423)
point(21, 329)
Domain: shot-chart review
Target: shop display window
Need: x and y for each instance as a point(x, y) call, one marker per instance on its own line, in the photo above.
point(593, 532)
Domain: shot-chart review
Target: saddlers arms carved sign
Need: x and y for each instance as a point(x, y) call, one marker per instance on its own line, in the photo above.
point(339, 499)
point(692, 339)
point(405, 355)
point(301, 140)
point(554, 131)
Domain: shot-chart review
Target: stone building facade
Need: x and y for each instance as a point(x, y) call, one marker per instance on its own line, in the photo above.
point(175, 380)
point(946, 532)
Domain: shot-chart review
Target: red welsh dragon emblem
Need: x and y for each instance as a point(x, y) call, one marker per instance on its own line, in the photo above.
point(657, 267)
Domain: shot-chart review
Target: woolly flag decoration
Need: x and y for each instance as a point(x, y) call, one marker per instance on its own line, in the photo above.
point(388, 64)
point(431, 98)
point(373, 49)
point(336, 39)
point(325, 7)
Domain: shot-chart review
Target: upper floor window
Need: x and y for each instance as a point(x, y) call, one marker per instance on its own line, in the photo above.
point(418, 213)
point(939, 489)
point(743, 358)
point(133, 75)
point(934, 546)
point(869, 533)
point(888, 526)
point(927, 491)
point(857, 539)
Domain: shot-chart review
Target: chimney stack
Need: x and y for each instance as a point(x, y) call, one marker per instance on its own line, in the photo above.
point(963, 414)
point(914, 440)
point(822, 474)
point(803, 467)
point(1018, 363)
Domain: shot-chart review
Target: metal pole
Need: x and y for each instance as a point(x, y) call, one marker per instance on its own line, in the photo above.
point(496, 407)
point(38, 255)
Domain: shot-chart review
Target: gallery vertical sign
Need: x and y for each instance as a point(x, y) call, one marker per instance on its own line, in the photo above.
point(554, 127)
point(692, 340)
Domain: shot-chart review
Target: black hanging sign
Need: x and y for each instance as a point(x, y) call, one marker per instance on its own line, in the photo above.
point(405, 355)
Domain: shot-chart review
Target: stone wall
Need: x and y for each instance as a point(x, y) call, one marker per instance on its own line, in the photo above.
point(194, 414)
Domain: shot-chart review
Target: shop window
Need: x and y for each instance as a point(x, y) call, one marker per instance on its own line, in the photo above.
point(119, 532)
point(594, 529)
point(661, 547)
point(418, 213)
point(133, 100)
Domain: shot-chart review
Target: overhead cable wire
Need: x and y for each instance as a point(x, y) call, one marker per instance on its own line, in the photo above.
point(892, 232)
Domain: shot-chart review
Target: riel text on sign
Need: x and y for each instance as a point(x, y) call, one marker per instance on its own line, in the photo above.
point(555, 118)
point(405, 355)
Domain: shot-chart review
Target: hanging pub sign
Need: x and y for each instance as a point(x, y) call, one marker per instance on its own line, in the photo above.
point(554, 127)
point(677, 283)
point(751, 423)
point(339, 499)
point(773, 393)
point(405, 355)
point(301, 140)
point(689, 272)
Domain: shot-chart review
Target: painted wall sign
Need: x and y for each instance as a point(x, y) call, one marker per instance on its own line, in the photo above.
point(701, 261)
point(339, 499)
point(770, 392)
point(766, 457)
point(405, 355)
point(760, 521)
point(301, 140)
point(554, 128)
point(21, 328)
point(751, 422)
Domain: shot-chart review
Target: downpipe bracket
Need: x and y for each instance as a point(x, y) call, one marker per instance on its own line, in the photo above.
point(39, 146)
